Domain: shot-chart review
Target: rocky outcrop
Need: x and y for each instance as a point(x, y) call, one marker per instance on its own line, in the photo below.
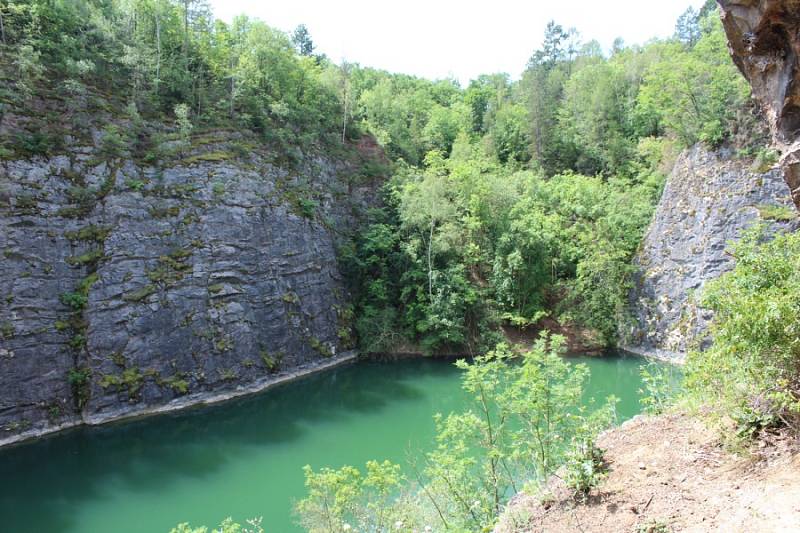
point(709, 199)
point(126, 287)
point(764, 40)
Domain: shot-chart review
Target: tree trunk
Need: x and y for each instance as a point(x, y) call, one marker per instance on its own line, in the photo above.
point(158, 51)
point(345, 96)
point(186, 4)
point(430, 263)
point(2, 28)
point(233, 88)
point(344, 118)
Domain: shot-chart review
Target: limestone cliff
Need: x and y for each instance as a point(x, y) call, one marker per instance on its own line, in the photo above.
point(709, 199)
point(125, 286)
point(764, 39)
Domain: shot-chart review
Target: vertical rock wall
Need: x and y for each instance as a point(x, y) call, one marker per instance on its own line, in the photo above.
point(124, 288)
point(709, 199)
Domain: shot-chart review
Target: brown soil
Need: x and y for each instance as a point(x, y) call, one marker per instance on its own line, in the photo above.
point(579, 340)
point(670, 473)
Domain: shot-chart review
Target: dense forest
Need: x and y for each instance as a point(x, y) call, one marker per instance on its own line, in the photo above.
point(505, 202)
point(508, 200)
point(515, 200)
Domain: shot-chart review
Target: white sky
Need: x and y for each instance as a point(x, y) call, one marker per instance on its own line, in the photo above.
point(441, 38)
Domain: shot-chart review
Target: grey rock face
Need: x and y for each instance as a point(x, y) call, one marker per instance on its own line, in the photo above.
point(709, 199)
point(764, 40)
point(205, 276)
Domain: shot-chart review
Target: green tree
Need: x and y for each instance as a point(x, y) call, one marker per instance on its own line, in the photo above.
point(509, 134)
point(596, 115)
point(525, 419)
point(301, 39)
point(750, 374)
point(425, 206)
point(698, 92)
point(338, 501)
point(542, 85)
point(687, 29)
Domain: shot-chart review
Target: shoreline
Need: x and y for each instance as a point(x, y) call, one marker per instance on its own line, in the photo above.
point(675, 358)
point(183, 402)
point(200, 399)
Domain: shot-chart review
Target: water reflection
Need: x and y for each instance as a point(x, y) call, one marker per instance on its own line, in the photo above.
point(244, 456)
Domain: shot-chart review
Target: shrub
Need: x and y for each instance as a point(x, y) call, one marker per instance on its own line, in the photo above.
point(92, 257)
point(74, 300)
point(140, 294)
point(584, 467)
point(344, 499)
point(26, 202)
point(320, 347)
point(520, 417)
point(290, 297)
point(272, 363)
point(653, 526)
point(750, 376)
point(78, 376)
point(227, 526)
point(79, 381)
point(778, 213)
point(7, 331)
point(132, 379)
point(36, 143)
point(134, 184)
point(765, 159)
point(113, 143)
point(306, 208)
point(660, 386)
point(177, 383)
point(89, 233)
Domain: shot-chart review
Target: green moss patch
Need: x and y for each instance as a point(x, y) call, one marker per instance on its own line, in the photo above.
point(778, 213)
point(210, 157)
point(139, 295)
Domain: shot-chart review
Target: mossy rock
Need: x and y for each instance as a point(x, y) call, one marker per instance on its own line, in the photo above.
point(778, 213)
point(139, 295)
point(320, 347)
point(92, 257)
point(165, 212)
point(209, 157)
point(7, 331)
point(91, 233)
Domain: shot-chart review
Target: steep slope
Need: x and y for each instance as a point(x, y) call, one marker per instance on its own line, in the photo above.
point(671, 473)
point(127, 287)
point(710, 198)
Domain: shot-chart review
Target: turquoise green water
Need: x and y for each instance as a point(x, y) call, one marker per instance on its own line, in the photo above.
point(242, 458)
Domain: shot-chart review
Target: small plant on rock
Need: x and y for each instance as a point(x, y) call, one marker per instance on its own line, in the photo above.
point(584, 467)
point(659, 387)
point(653, 526)
point(114, 142)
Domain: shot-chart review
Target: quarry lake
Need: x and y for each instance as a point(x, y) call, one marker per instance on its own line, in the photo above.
point(244, 458)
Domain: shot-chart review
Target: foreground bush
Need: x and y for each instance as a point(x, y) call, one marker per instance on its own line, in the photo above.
point(525, 421)
point(750, 376)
